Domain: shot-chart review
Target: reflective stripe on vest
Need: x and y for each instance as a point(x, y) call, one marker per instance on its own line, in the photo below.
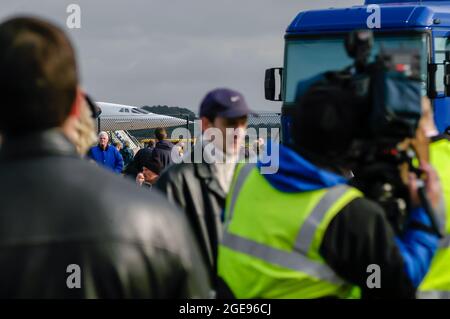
point(306, 235)
point(293, 260)
point(296, 260)
point(433, 294)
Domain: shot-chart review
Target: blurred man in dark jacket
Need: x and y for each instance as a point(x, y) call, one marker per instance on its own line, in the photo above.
point(70, 229)
point(163, 148)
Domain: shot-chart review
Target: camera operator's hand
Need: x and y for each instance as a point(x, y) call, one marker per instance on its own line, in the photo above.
point(432, 186)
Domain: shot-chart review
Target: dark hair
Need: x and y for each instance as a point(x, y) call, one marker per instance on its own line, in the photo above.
point(160, 133)
point(38, 75)
point(326, 121)
point(211, 117)
point(153, 164)
point(151, 143)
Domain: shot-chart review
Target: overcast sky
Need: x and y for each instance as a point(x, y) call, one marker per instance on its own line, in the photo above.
point(171, 52)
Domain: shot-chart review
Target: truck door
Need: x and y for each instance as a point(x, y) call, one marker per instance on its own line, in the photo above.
point(441, 44)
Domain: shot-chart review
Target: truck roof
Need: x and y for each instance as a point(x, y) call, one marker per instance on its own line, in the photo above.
point(400, 15)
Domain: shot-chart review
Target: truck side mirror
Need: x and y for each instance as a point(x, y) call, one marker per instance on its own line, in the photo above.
point(270, 84)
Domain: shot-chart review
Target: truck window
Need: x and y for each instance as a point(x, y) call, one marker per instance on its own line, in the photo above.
point(440, 46)
point(308, 57)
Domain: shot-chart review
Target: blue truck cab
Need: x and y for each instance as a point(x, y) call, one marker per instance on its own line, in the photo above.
point(314, 43)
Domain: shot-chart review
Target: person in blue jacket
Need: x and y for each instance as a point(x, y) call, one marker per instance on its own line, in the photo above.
point(106, 155)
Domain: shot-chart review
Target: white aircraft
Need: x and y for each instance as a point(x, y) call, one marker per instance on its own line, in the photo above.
point(116, 117)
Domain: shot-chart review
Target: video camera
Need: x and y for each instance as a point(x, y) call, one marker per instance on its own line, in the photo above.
point(391, 86)
point(390, 91)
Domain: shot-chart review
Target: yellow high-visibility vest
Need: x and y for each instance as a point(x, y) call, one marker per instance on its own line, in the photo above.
point(436, 284)
point(271, 242)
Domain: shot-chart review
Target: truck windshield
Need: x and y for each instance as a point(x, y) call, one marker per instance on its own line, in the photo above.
point(308, 57)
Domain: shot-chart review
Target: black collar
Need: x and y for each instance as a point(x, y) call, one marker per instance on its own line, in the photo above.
point(38, 144)
point(440, 137)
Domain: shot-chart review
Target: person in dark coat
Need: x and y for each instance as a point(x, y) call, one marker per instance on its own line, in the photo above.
point(163, 148)
point(150, 145)
point(151, 171)
point(72, 229)
point(142, 156)
point(127, 154)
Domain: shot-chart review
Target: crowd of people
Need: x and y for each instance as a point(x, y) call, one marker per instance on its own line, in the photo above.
point(208, 229)
point(148, 163)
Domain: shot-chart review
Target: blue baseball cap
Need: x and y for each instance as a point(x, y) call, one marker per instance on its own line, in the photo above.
point(225, 103)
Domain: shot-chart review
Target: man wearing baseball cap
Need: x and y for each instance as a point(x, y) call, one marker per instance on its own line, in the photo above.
point(200, 188)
